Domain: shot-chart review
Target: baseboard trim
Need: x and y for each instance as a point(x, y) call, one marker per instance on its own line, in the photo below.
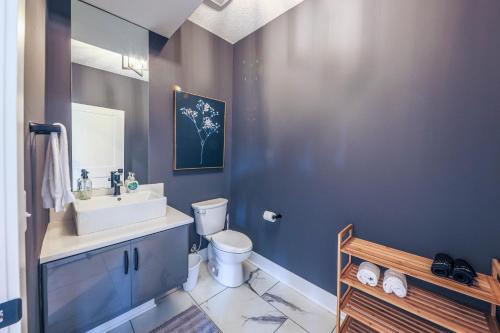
point(301, 285)
point(123, 318)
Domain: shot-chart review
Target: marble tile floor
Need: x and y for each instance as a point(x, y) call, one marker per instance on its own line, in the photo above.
point(263, 304)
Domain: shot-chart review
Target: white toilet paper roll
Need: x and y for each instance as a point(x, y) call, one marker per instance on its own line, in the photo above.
point(269, 216)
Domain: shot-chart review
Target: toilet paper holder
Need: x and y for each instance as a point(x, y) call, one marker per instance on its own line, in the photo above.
point(271, 216)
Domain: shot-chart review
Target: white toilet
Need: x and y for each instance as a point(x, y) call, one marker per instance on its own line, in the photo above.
point(228, 248)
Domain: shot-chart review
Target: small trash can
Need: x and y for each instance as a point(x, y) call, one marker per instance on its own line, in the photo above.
point(194, 261)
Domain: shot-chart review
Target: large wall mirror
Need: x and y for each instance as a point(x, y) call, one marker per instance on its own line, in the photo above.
point(109, 95)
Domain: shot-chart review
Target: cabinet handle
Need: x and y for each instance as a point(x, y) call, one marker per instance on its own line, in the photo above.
point(125, 261)
point(136, 259)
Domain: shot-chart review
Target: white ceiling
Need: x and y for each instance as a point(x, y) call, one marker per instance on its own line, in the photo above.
point(239, 18)
point(234, 21)
point(161, 16)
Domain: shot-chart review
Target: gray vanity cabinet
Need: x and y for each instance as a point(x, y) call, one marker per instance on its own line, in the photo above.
point(86, 290)
point(159, 264)
point(82, 291)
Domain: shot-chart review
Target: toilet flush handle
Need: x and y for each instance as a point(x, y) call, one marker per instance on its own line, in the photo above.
point(201, 211)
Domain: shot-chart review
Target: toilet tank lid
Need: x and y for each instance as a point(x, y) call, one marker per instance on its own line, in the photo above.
point(207, 204)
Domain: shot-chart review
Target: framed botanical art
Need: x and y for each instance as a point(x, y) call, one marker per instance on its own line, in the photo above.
point(199, 131)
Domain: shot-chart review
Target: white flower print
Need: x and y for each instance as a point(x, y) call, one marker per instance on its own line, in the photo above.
point(207, 126)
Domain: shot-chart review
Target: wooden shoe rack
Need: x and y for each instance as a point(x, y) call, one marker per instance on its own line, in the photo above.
point(370, 309)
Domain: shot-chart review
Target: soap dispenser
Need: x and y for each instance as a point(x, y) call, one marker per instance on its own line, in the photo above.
point(84, 186)
point(131, 184)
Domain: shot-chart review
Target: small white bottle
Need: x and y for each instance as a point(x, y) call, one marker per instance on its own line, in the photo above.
point(131, 184)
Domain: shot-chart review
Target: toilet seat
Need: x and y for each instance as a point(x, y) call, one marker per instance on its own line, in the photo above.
point(231, 241)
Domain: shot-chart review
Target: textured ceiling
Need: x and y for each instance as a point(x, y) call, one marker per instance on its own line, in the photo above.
point(161, 16)
point(232, 22)
point(239, 18)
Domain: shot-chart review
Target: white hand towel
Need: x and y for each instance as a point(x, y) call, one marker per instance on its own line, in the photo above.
point(56, 184)
point(395, 282)
point(368, 273)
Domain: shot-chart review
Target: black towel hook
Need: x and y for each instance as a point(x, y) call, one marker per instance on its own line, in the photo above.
point(43, 129)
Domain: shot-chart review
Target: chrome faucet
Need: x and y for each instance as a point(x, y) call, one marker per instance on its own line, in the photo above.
point(116, 181)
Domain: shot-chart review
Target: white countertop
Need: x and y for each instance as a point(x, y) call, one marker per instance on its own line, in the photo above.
point(62, 241)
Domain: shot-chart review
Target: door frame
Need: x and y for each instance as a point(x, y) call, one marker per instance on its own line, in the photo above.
point(12, 196)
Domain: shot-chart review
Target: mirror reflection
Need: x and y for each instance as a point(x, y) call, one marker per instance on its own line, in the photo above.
point(109, 95)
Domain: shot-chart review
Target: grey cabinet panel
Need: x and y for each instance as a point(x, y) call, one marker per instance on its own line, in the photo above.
point(83, 291)
point(86, 290)
point(161, 263)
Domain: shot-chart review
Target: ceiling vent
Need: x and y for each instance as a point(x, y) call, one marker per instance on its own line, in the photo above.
point(220, 3)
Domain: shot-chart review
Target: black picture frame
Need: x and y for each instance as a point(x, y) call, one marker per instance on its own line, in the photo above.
point(199, 131)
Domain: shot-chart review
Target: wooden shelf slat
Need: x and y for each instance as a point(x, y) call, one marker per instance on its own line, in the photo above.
point(382, 317)
point(353, 326)
point(485, 288)
point(435, 308)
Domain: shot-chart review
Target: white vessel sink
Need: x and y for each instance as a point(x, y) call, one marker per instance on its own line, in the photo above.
point(106, 212)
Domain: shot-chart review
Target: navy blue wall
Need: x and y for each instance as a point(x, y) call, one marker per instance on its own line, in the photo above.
point(34, 151)
point(384, 114)
point(199, 62)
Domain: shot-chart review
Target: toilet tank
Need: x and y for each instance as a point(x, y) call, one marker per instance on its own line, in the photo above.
point(210, 216)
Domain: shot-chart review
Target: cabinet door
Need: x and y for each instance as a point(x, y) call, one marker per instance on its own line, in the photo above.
point(85, 290)
point(159, 263)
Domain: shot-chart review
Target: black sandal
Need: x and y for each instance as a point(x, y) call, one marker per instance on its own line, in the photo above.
point(463, 272)
point(442, 265)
